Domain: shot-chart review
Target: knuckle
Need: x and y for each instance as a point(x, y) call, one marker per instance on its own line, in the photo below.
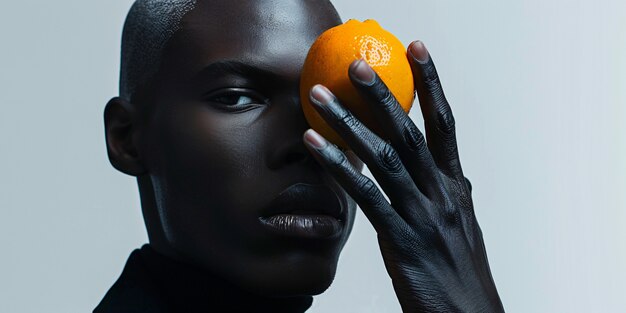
point(445, 122)
point(338, 158)
point(465, 199)
point(432, 82)
point(369, 191)
point(451, 217)
point(368, 187)
point(387, 100)
point(413, 137)
point(347, 120)
point(450, 167)
point(432, 85)
point(388, 158)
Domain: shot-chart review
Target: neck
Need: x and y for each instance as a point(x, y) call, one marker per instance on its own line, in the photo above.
point(151, 217)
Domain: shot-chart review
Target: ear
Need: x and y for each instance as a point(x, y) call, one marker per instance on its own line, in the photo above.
point(121, 129)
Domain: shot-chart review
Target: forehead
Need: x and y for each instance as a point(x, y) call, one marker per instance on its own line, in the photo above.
point(273, 33)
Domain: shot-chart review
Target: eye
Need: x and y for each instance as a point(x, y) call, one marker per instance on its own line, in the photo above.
point(236, 99)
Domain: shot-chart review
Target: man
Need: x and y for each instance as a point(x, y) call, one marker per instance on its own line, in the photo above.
point(243, 212)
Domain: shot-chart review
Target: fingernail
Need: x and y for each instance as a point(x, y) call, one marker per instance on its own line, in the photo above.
point(315, 139)
point(362, 72)
point(419, 52)
point(321, 95)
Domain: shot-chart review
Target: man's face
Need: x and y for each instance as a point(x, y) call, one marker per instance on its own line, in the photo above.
point(223, 139)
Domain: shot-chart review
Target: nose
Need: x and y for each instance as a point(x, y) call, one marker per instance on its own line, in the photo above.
point(289, 153)
point(288, 126)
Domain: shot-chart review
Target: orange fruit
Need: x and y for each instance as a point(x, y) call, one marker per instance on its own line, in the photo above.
point(327, 63)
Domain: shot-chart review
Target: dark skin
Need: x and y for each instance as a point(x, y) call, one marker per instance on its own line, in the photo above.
point(428, 234)
point(211, 146)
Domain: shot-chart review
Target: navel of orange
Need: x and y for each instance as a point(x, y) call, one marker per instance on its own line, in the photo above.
point(328, 61)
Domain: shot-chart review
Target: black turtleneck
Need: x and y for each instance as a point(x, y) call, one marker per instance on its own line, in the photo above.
point(153, 283)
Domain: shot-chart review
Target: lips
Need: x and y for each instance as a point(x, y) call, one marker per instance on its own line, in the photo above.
point(305, 199)
point(305, 211)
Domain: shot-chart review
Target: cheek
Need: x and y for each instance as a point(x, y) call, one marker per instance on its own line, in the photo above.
point(207, 171)
point(203, 148)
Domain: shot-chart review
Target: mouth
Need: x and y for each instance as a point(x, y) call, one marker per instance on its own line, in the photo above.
point(306, 211)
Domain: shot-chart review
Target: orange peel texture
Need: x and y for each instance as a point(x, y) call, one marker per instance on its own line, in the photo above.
point(328, 61)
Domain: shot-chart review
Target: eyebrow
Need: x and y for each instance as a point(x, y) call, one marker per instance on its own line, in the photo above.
point(239, 68)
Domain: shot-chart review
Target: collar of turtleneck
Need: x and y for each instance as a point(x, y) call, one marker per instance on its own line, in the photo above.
point(152, 282)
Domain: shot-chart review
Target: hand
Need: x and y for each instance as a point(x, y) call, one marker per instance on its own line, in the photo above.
point(429, 237)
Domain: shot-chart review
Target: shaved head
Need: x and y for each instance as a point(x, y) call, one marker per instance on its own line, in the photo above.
point(210, 111)
point(149, 25)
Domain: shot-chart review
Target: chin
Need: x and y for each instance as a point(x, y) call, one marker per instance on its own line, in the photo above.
point(299, 276)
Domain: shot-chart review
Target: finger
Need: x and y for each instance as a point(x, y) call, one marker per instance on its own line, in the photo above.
point(405, 137)
point(377, 210)
point(380, 157)
point(438, 118)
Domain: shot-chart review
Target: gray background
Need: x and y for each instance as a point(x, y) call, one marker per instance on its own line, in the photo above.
point(537, 89)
